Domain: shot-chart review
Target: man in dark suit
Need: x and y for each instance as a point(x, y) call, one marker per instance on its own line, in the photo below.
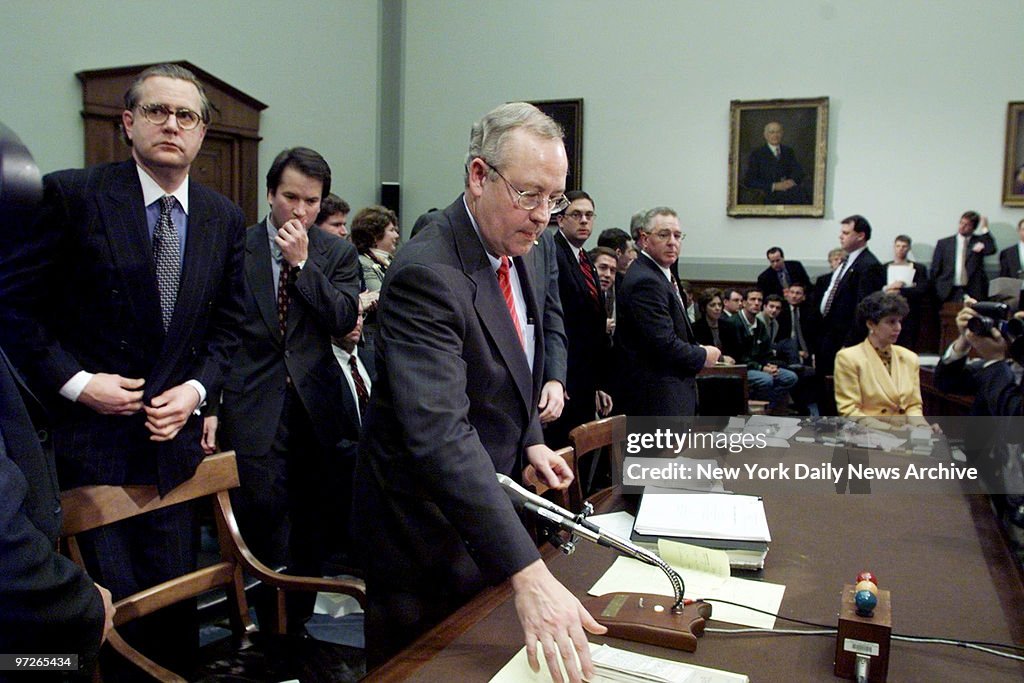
point(282, 396)
point(543, 265)
point(780, 273)
point(121, 305)
point(958, 265)
point(913, 291)
point(583, 307)
point(1011, 259)
point(460, 359)
point(858, 274)
point(773, 169)
point(653, 333)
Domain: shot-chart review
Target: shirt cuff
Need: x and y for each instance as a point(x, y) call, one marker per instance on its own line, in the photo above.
point(197, 385)
point(74, 387)
point(952, 354)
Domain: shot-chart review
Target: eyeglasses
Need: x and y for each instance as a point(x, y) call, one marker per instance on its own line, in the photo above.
point(665, 235)
point(528, 201)
point(157, 114)
point(577, 215)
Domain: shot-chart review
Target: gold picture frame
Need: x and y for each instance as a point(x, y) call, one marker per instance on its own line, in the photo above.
point(1013, 167)
point(760, 182)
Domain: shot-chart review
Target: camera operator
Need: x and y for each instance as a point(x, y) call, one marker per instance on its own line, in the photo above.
point(995, 446)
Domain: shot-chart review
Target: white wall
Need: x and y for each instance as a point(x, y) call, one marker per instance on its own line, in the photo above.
point(918, 95)
point(313, 62)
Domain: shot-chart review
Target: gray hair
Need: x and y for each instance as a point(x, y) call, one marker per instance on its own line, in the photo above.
point(657, 211)
point(489, 135)
point(132, 95)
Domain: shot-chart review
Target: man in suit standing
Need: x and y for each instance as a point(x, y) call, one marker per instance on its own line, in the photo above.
point(1012, 258)
point(780, 273)
point(858, 274)
point(543, 265)
point(653, 333)
point(913, 291)
point(958, 265)
point(460, 360)
point(583, 306)
point(282, 397)
point(774, 170)
point(121, 305)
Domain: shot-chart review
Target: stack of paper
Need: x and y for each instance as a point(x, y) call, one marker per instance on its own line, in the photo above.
point(733, 523)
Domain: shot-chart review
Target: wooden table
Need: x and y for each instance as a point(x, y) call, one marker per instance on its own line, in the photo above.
point(941, 556)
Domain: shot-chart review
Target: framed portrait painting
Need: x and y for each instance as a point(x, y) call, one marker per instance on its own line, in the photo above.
point(1013, 174)
point(777, 157)
point(569, 115)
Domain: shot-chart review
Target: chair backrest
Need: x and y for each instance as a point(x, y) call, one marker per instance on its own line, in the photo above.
point(735, 398)
point(589, 438)
point(91, 507)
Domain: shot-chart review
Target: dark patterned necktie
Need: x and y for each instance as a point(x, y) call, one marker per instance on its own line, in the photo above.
point(588, 275)
point(835, 285)
point(282, 296)
point(167, 257)
point(361, 393)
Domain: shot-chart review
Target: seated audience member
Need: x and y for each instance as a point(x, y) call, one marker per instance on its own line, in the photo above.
point(796, 339)
point(765, 378)
point(605, 262)
point(375, 236)
point(732, 303)
point(710, 329)
point(878, 378)
point(333, 216)
point(770, 317)
point(780, 273)
point(913, 291)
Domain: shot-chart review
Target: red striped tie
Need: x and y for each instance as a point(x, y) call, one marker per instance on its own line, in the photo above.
point(506, 289)
point(588, 275)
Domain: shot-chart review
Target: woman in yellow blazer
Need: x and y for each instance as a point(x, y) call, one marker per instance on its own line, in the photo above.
point(877, 378)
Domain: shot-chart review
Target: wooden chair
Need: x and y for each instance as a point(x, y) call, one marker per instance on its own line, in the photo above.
point(734, 400)
point(588, 440)
point(90, 507)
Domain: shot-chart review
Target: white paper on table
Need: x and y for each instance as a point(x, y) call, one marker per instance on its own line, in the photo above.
point(703, 515)
point(627, 575)
point(517, 670)
point(618, 523)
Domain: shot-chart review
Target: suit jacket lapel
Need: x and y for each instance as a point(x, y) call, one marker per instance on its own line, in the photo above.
point(260, 276)
point(131, 247)
point(489, 303)
point(882, 377)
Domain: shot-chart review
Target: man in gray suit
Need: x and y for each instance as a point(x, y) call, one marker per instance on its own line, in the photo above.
point(283, 395)
point(460, 361)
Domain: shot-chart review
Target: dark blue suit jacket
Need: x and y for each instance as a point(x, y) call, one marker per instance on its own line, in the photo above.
point(660, 354)
point(48, 603)
point(763, 169)
point(79, 293)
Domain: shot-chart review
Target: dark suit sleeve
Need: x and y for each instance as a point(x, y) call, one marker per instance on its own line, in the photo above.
point(29, 282)
point(650, 309)
point(431, 368)
point(872, 279)
point(227, 313)
point(755, 177)
point(938, 264)
point(987, 240)
point(48, 603)
point(556, 344)
point(328, 284)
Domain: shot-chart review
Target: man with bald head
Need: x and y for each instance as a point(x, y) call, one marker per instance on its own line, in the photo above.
point(460, 357)
point(774, 170)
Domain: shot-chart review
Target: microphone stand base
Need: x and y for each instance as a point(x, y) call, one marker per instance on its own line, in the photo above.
point(648, 618)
